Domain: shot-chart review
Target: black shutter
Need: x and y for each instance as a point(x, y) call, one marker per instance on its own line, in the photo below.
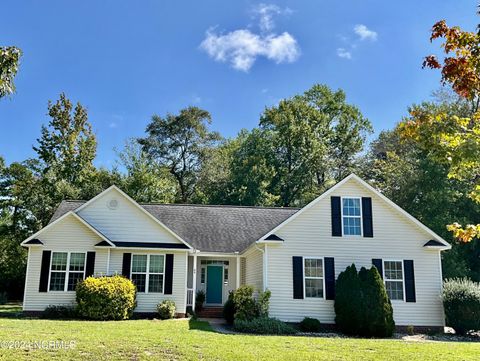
point(367, 217)
point(90, 268)
point(377, 262)
point(44, 270)
point(297, 263)
point(329, 278)
point(409, 281)
point(336, 217)
point(127, 258)
point(168, 274)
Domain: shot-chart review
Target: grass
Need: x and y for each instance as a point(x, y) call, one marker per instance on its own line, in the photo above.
point(195, 340)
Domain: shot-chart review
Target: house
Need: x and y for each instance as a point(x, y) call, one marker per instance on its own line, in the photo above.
point(172, 251)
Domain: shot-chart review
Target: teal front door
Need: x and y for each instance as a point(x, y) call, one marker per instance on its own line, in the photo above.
point(214, 284)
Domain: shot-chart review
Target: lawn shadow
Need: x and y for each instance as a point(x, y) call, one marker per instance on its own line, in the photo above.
point(195, 324)
point(11, 310)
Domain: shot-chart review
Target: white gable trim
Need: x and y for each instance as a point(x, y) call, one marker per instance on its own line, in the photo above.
point(369, 187)
point(126, 196)
point(58, 220)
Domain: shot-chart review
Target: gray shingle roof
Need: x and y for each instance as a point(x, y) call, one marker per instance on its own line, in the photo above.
point(210, 228)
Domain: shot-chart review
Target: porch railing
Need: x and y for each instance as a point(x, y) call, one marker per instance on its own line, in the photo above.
point(189, 296)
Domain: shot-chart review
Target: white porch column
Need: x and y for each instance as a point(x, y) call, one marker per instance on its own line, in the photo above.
point(194, 281)
point(108, 262)
point(238, 271)
point(265, 267)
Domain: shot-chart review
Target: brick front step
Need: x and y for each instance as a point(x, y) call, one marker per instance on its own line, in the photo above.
point(211, 312)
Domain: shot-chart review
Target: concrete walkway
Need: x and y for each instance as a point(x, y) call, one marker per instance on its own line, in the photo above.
point(219, 325)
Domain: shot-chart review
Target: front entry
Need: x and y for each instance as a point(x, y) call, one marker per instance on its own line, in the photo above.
point(214, 284)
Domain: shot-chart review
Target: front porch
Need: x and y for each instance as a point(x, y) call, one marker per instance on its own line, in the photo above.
point(215, 274)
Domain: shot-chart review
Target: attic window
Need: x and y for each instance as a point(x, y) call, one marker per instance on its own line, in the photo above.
point(112, 204)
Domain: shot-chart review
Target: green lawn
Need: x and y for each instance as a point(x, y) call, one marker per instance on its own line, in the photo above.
point(184, 340)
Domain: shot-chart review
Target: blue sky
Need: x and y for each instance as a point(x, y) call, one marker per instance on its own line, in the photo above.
point(126, 60)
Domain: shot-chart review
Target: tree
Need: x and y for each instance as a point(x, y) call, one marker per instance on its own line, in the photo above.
point(180, 142)
point(9, 61)
point(347, 301)
point(418, 181)
point(454, 139)
point(68, 146)
point(144, 181)
point(376, 308)
point(315, 137)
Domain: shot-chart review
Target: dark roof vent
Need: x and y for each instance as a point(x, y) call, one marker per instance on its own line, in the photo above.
point(34, 241)
point(433, 243)
point(103, 244)
point(273, 237)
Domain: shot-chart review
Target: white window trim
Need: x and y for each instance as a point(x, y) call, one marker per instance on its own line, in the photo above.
point(147, 273)
point(67, 271)
point(203, 270)
point(361, 217)
point(393, 280)
point(304, 277)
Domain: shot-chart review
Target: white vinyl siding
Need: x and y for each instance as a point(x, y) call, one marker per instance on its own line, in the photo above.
point(71, 235)
point(395, 237)
point(147, 302)
point(254, 268)
point(126, 223)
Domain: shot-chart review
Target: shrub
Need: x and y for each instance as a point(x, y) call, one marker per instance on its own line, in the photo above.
point(3, 298)
point(310, 325)
point(461, 301)
point(347, 301)
point(229, 309)
point(54, 312)
point(263, 326)
point(245, 305)
point(263, 303)
point(106, 298)
point(166, 309)
point(199, 300)
point(376, 307)
point(362, 306)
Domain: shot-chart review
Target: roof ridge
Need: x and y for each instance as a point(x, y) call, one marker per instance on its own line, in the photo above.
point(215, 205)
point(196, 205)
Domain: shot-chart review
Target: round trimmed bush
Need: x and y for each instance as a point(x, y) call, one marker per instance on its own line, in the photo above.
point(166, 309)
point(106, 298)
point(461, 301)
point(310, 325)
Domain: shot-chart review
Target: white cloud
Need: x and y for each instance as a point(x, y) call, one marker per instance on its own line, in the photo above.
point(365, 33)
point(242, 47)
point(112, 125)
point(265, 14)
point(344, 53)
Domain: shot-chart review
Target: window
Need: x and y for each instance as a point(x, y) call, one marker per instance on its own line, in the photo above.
point(147, 272)
point(313, 274)
point(225, 275)
point(351, 217)
point(393, 275)
point(66, 269)
point(202, 275)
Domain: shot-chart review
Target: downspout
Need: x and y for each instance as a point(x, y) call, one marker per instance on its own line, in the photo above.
point(265, 265)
